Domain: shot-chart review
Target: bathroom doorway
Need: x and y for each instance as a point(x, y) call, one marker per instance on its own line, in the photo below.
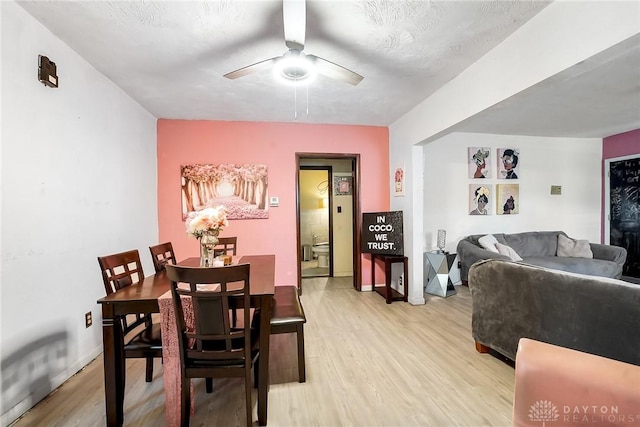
point(328, 216)
point(315, 187)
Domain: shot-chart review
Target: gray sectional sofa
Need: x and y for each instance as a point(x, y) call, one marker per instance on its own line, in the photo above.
point(541, 248)
point(593, 314)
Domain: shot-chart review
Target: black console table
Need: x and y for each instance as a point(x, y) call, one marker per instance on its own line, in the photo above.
point(387, 291)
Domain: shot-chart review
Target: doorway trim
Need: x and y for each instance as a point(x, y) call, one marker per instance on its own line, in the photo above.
point(357, 256)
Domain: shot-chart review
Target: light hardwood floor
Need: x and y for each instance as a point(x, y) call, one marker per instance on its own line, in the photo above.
point(368, 364)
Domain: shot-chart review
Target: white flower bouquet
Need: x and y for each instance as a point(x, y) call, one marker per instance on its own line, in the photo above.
point(207, 222)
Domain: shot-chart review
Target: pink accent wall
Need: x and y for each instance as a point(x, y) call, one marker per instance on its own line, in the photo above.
point(620, 145)
point(623, 144)
point(274, 144)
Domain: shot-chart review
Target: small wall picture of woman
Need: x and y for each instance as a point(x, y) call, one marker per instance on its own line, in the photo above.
point(479, 196)
point(479, 162)
point(398, 179)
point(508, 166)
point(507, 199)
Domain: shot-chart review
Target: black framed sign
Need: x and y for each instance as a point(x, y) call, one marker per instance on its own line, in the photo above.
point(382, 233)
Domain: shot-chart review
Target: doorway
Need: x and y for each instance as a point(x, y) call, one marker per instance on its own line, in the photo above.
point(314, 207)
point(327, 218)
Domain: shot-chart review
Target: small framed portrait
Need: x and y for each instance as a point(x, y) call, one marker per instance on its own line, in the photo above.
point(479, 162)
point(398, 182)
point(342, 185)
point(508, 163)
point(479, 199)
point(507, 199)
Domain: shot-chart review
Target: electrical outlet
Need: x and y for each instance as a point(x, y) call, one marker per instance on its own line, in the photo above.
point(88, 321)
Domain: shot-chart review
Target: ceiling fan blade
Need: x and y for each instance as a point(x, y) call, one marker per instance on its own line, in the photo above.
point(250, 69)
point(294, 14)
point(335, 71)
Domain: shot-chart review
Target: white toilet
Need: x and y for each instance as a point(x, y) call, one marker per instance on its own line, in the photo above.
point(322, 251)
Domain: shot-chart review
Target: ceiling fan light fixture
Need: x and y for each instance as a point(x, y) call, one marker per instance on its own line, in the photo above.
point(294, 67)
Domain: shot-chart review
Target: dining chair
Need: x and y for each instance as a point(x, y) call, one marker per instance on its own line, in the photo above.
point(226, 246)
point(210, 346)
point(162, 254)
point(142, 337)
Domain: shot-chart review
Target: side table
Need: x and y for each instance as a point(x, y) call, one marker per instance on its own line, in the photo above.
point(437, 280)
point(387, 291)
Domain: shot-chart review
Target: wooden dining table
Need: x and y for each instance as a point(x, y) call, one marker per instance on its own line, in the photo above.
point(142, 297)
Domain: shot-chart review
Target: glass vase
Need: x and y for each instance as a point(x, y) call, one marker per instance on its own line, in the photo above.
point(442, 239)
point(207, 243)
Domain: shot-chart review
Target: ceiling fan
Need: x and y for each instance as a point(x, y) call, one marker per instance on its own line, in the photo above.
point(294, 65)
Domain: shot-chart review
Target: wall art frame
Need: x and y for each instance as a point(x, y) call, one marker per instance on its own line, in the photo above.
point(479, 162)
point(508, 163)
point(241, 189)
point(480, 196)
point(507, 199)
point(398, 182)
point(342, 185)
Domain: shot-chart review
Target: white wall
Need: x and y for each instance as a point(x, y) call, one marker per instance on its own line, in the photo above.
point(572, 163)
point(78, 181)
point(409, 158)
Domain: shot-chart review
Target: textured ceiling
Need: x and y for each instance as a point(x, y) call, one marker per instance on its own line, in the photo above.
point(171, 56)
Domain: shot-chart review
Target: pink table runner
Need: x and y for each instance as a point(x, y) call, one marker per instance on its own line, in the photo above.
point(171, 357)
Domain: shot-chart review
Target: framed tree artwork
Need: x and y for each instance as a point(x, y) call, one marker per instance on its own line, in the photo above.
point(507, 199)
point(241, 189)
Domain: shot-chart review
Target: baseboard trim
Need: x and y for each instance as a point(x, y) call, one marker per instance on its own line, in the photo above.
point(417, 301)
point(343, 274)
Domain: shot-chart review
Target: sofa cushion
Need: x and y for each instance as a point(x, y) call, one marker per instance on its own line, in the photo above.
point(534, 243)
point(592, 267)
point(568, 247)
point(508, 251)
point(489, 243)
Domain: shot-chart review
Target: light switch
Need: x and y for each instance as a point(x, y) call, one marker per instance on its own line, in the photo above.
point(274, 201)
point(556, 190)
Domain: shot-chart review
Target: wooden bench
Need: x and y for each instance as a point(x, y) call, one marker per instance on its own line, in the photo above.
point(288, 317)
